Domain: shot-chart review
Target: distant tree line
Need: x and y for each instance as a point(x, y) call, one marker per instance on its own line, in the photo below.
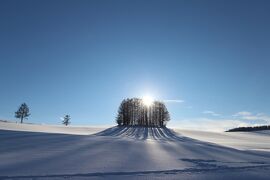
point(134, 112)
point(255, 128)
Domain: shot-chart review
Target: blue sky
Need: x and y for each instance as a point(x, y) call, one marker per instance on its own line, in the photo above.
point(83, 57)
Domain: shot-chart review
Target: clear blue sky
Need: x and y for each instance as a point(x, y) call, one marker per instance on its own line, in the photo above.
point(83, 57)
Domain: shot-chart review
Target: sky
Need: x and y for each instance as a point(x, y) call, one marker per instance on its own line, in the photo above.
point(209, 61)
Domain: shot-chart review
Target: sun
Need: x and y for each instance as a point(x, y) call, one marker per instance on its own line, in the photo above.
point(147, 100)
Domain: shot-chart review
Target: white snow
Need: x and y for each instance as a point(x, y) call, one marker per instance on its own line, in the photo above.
point(61, 129)
point(57, 152)
point(256, 140)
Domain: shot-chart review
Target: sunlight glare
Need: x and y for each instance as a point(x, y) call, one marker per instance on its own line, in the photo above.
point(147, 100)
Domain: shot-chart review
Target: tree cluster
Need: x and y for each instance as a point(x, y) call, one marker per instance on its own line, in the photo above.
point(134, 112)
point(256, 128)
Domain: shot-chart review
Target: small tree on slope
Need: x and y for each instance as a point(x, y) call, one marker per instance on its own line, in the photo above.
point(66, 120)
point(22, 112)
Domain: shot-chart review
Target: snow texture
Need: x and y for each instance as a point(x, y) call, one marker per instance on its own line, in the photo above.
point(130, 153)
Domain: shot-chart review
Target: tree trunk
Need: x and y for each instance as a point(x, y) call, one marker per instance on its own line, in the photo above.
point(21, 120)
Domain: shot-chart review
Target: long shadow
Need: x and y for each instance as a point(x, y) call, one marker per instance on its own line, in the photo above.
point(153, 172)
point(201, 163)
point(14, 140)
point(163, 134)
point(59, 142)
point(113, 131)
point(139, 133)
point(142, 133)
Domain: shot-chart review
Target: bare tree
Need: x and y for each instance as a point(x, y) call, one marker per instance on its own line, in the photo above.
point(120, 115)
point(134, 112)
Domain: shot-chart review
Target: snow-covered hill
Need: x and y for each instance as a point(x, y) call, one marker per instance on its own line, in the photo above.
point(59, 129)
point(129, 153)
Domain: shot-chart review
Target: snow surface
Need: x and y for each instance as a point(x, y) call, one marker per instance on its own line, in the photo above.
point(61, 129)
point(130, 153)
point(256, 140)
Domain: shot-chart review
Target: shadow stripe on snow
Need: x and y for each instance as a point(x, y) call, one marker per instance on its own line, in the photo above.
point(142, 133)
point(172, 171)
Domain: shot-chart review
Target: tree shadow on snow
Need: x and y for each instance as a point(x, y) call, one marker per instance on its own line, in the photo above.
point(168, 135)
point(142, 133)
